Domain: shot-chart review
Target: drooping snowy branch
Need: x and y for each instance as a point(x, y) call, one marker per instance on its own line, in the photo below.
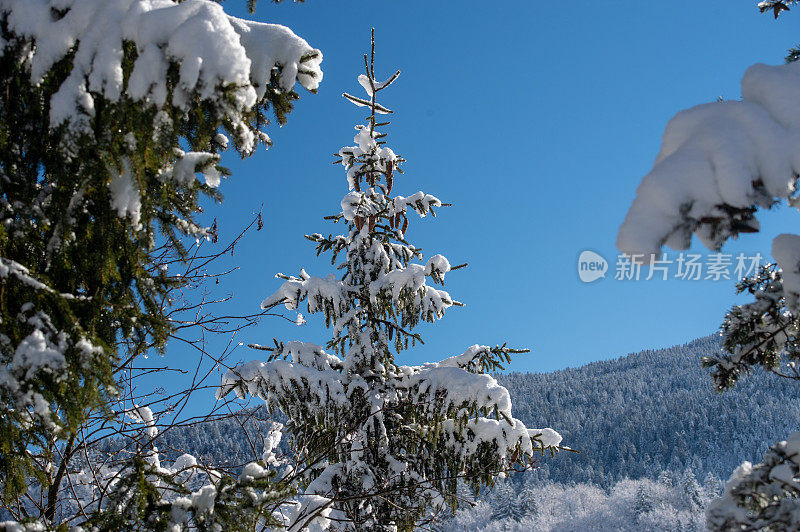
point(718, 163)
point(221, 59)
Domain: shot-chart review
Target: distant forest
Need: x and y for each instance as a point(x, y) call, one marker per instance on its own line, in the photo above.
point(654, 411)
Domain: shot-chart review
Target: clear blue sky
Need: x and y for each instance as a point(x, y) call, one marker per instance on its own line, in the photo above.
point(537, 120)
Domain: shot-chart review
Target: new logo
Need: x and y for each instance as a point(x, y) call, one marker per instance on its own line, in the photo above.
point(591, 266)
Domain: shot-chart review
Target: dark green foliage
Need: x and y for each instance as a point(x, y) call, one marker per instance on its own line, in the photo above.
point(761, 333)
point(90, 280)
point(775, 6)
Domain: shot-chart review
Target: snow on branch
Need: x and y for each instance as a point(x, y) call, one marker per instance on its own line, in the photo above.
point(762, 496)
point(295, 366)
point(9, 267)
point(324, 294)
point(718, 163)
point(219, 58)
point(360, 102)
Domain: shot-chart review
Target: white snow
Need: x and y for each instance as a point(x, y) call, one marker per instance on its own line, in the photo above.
point(297, 518)
point(270, 45)
point(547, 437)
point(221, 139)
point(203, 499)
point(262, 379)
point(786, 250)
point(253, 471)
point(363, 80)
point(437, 266)
point(10, 267)
point(353, 204)
point(125, 197)
point(776, 88)
point(793, 447)
point(188, 163)
point(458, 387)
point(184, 461)
point(322, 293)
point(215, 52)
point(716, 158)
point(35, 354)
point(465, 360)
point(271, 442)
point(418, 201)
point(144, 415)
point(410, 281)
point(773, 483)
point(784, 473)
point(365, 155)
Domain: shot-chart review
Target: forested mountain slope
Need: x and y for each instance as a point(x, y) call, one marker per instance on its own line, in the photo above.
point(651, 411)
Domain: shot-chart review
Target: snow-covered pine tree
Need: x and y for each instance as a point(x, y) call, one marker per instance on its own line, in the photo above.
point(505, 503)
point(527, 503)
point(665, 478)
point(711, 486)
point(643, 502)
point(691, 491)
point(108, 108)
point(386, 443)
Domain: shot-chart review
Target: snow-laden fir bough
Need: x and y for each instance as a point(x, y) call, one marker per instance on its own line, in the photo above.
point(385, 442)
point(108, 110)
